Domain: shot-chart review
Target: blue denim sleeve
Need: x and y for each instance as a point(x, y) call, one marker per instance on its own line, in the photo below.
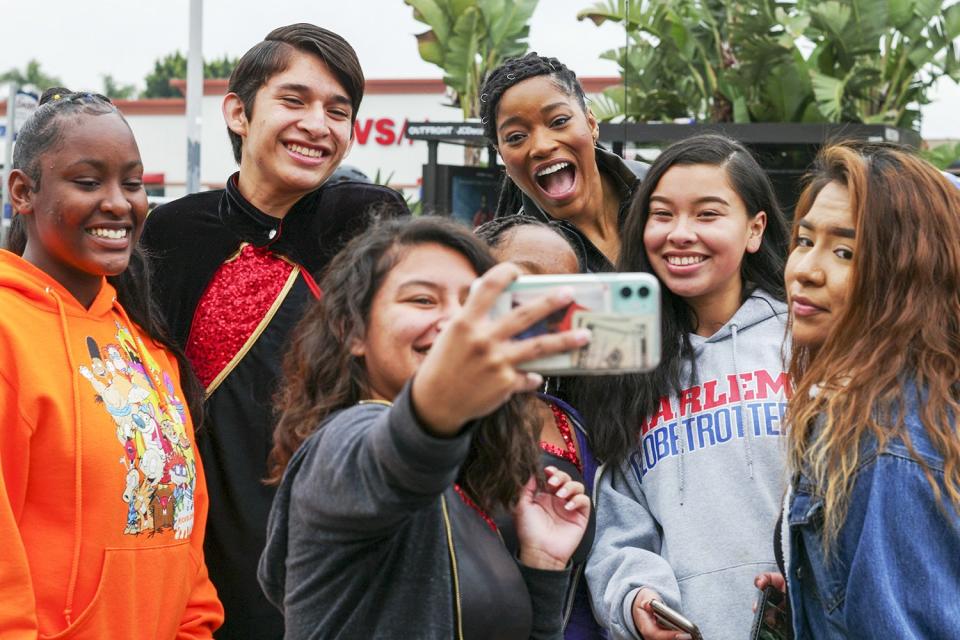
point(904, 570)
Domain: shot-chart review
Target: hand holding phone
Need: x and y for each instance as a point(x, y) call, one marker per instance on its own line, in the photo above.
point(771, 620)
point(674, 620)
point(655, 620)
point(621, 310)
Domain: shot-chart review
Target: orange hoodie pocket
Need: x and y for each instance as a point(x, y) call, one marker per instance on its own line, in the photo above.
point(142, 594)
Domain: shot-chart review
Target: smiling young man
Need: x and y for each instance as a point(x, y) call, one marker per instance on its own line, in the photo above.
point(233, 273)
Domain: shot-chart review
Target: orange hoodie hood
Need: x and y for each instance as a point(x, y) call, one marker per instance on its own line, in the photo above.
point(105, 498)
point(36, 286)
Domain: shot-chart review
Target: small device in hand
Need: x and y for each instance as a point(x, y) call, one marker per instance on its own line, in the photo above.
point(772, 619)
point(621, 310)
point(670, 619)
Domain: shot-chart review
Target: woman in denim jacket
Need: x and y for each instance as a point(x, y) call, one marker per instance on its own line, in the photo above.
point(872, 531)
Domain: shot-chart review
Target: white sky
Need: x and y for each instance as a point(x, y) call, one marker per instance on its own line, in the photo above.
point(81, 41)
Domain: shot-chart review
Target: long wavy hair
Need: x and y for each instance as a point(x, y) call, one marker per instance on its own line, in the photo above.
point(901, 324)
point(321, 376)
point(616, 408)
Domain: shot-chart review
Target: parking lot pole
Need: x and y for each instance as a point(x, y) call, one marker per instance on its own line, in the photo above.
point(194, 95)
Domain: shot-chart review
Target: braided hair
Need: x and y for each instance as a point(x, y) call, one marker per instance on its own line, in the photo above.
point(43, 132)
point(44, 128)
point(496, 231)
point(512, 72)
point(516, 70)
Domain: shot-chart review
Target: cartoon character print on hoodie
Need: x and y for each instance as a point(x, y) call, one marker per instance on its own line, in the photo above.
point(161, 469)
point(690, 513)
point(101, 487)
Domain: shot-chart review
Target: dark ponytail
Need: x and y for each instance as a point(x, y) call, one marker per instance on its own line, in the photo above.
point(16, 236)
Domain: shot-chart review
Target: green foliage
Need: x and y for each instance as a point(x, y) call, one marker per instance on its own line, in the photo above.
point(942, 156)
point(31, 76)
point(415, 206)
point(867, 61)
point(117, 90)
point(174, 65)
point(219, 67)
point(468, 38)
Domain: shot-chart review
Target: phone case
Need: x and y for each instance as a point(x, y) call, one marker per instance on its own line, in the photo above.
point(670, 619)
point(622, 311)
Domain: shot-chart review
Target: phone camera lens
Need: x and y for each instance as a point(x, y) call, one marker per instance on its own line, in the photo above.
point(625, 292)
point(643, 292)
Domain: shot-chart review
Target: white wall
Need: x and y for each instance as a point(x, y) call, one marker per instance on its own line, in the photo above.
point(377, 147)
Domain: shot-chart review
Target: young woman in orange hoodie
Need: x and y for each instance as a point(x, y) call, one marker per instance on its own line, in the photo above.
point(102, 496)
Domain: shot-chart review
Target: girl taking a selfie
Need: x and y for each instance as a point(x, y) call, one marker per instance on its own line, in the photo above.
point(382, 524)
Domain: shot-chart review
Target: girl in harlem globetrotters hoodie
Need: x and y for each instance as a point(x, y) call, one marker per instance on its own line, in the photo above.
point(691, 511)
point(685, 514)
point(102, 496)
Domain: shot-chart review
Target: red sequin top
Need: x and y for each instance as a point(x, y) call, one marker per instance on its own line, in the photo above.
point(566, 432)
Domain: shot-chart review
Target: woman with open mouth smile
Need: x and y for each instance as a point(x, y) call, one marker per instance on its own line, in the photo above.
point(534, 112)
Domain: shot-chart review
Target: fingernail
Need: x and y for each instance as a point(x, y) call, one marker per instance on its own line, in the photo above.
point(563, 294)
point(534, 379)
point(562, 493)
point(583, 336)
point(554, 481)
point(570, 506)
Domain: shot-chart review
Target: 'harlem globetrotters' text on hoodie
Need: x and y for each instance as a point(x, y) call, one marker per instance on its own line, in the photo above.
point(690, 513)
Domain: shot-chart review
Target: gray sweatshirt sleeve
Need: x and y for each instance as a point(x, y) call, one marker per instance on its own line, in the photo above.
point(625, 554)
point(373, 466)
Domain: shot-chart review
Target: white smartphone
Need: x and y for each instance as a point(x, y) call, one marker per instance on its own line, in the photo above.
point(622, 311)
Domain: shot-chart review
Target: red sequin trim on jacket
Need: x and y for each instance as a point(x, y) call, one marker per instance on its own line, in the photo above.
point(238, 297)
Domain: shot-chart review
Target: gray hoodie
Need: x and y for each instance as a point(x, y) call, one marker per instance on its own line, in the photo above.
point(691, 512)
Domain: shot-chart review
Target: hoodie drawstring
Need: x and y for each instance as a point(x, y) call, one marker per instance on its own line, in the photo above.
point(681, 440)
point(747, 425)
point(153, 375)
point(78, 458)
